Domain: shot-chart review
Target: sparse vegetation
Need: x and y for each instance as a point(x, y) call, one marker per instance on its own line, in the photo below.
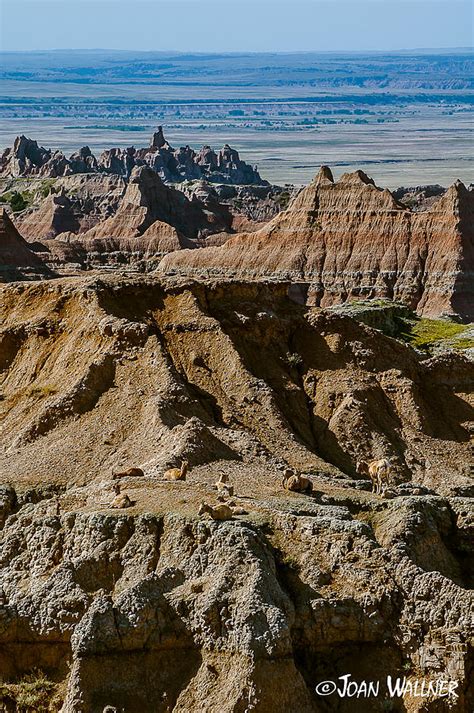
point(42, 391)
point(18, 202)
point(34, 693)
point(426, 333)
point(46, 187)
point(376, 302)
point(283, 199)
point(293, 359)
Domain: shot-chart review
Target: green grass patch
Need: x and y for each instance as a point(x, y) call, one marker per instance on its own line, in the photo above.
point(376, 302)
point(426, 333)
point(18, 200)
point(464, 343)
point(46, 187)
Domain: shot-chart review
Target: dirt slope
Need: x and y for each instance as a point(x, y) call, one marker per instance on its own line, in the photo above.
point(99, 372)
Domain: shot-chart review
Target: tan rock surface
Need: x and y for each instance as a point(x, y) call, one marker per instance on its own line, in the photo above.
point(351, 239)
point(17, 261)
point(55, 215)
point(160, 215)
point(155, 609)
point(308, 387)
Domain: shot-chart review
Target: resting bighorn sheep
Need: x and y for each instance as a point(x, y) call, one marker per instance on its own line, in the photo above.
point(218, 512)
point(378, 471)
point(177, 473)
point(236, 509)
point(223, 487)
point(129, 473)
point(121, 500)
point(296, 482)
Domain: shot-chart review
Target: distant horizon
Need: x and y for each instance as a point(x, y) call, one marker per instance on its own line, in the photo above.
point(441, 50)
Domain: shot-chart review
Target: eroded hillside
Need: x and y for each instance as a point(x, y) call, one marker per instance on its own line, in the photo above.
point(122, 364)
point(154, 608)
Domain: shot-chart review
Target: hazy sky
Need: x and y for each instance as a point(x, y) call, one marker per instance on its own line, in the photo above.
point(236, 25)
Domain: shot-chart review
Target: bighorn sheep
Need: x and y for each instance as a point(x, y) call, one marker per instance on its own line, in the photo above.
point(222, 486)
point(56, 506)
point(378, 471)
point(236, 509)
point(218, 512)
point(129, 473)
point(177, 473)
point(121, 500)
point(296, 482)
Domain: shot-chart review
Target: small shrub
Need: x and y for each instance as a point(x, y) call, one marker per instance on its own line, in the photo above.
point(34, 693)
point(283, 199)
point(17, 202)
point(293, 360)
point(46, 188)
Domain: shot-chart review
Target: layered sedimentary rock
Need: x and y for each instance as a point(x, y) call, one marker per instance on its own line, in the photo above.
point(153, 608)
point(350, 239)
point(26, 158)
point(154, 218)
point(251, 206)
point(107, 220)
point(159, 611)
point(419, 198)
point(55, 215)
point(75, 205)
point(79, 202)
point(17, 260)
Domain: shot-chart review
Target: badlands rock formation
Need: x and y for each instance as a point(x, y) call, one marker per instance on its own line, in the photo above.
point(106, 220)
point(17, 261)
point(76, 204)
point(351, 239)
point(79, 202)
point(55, 215)
point(148, 200)
point(154, 609)
point(221, 353)
point(26, 158)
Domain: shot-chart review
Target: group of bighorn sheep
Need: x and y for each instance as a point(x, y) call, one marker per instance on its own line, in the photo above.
point(378, 471)
point(225, 510)
point(222, 511)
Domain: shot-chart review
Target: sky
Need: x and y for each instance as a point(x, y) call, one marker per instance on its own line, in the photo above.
point(236, 25)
